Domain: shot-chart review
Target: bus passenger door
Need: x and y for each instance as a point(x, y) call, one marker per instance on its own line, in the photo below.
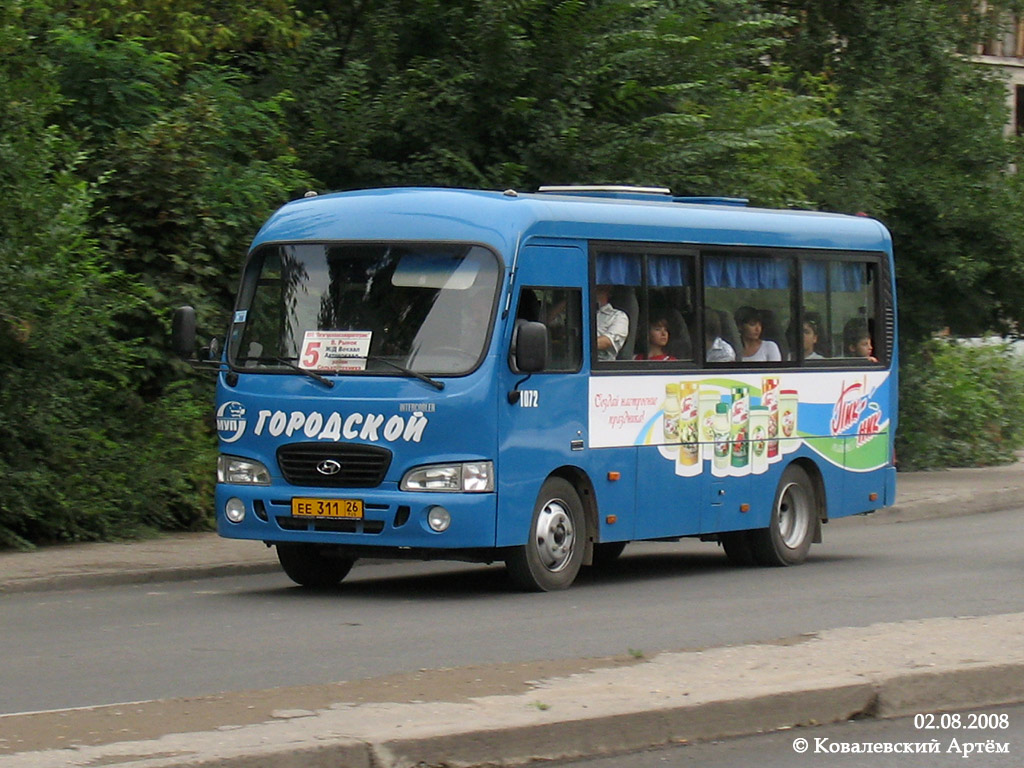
point(542, 416)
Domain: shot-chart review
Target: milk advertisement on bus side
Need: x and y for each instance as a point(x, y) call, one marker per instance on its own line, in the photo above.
point(840, 416)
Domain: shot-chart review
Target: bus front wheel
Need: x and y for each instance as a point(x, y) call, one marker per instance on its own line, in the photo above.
point(790, 532)
point(308, 565)
point(553, 553)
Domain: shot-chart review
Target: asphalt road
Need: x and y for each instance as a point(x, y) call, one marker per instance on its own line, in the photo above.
point(823, 746)
point(132, 643)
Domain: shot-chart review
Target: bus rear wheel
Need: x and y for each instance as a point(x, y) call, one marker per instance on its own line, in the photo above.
point(551, 558)
point(789, 534)
point(310, 565)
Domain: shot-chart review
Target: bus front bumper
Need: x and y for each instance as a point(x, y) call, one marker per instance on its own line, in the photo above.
point(358, 517)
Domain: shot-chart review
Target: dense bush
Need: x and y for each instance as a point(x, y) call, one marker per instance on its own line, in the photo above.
point(960, 406)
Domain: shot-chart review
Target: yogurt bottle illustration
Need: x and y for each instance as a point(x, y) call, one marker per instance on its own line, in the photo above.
point(788, 406)
point(738, 424)
point(722, 436)
point(758, 439)
point(689, 432)
point(670, 415)
point(770, 400)
point(706, 404)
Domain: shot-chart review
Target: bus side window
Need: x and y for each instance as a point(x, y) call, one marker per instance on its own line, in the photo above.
point(560, 310)
point(757, 292)
point(841, 297)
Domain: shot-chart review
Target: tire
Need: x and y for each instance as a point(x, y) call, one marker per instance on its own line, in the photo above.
point(313, 566)
point(794, 520)
point(738, 548)
point(553, 553)
point(607, 553)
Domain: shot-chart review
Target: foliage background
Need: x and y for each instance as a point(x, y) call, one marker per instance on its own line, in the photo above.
point(962, 406)
point(142, 143)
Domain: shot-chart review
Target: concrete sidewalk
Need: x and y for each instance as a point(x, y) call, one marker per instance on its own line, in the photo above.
point(600, 707)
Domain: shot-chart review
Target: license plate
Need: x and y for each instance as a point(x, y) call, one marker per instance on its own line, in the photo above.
point(347, 508)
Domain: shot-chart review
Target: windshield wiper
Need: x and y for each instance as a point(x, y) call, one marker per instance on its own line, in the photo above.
point(438, 385)
point(312, 374)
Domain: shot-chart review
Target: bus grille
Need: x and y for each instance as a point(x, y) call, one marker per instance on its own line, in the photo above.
point(358, 466)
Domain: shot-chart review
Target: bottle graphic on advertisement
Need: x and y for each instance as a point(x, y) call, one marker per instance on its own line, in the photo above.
point(722, 435)
point(758, 438)
point(738, 424)
point(788, 406)
point(670, 415)
point(689, 432)
point(706, 404)
point(770, 400)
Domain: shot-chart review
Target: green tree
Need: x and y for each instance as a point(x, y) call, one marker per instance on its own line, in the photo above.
point(130, 181)
point(490, 93)
point(78, 456)
point(923, 150)
point(181, 196)
point(194, 31)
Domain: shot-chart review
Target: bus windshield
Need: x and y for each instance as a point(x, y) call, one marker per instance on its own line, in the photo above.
point(366, 307)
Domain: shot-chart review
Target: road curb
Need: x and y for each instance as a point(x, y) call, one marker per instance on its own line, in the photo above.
point(879, 671)
point(964, 688)
point(140, 575)
point(629, 732)
point(959, 504)
point(601, 736)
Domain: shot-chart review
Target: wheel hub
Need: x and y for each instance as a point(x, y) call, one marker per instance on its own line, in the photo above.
point(794, 515)
point(555, 537)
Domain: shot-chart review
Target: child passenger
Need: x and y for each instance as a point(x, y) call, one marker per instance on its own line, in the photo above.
point(857, 339)
point(812, 322)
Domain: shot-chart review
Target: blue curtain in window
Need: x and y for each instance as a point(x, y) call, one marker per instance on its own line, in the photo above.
point(745, 272)
point(847, 276)
point(728, 272)
point(617, 269)
point(667, 271)
point(625, 269)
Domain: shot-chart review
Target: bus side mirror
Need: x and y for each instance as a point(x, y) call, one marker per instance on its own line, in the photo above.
point(531, 347)
point(183, 332)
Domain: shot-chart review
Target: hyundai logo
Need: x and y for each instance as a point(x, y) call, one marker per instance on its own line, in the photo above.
point(328, 467)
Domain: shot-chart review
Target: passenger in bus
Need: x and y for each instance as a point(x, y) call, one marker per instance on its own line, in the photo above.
point(612, 326)
point(857, 340)
point(657, 342)
point(717, 349)
point(755, 349)
point(812, 336)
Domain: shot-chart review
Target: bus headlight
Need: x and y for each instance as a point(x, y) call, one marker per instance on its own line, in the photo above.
point(464, 477)
point(239, 471)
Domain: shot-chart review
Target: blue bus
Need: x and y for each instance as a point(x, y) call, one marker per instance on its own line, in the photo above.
point(540, 378)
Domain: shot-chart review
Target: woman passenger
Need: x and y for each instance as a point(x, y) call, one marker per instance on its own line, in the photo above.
point(755, 349)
